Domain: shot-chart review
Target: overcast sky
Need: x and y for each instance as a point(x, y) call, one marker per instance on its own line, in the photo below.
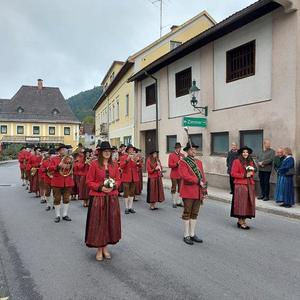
point(71, 44)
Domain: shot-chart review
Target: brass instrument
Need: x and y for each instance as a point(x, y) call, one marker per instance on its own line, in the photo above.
point(88, 161)
point(33, 171)
point(68, 163)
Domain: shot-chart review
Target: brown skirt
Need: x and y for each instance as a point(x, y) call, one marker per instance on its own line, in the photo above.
point(75, 189)
point(138, 187)
point(155, 190)
point(103, 225)
point(35, 183)
point(243, 201)
point(83, 189)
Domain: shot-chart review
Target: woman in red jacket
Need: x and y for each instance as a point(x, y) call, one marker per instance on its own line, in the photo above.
point(192, 191)
point(83, 167)
point(243, 201)
point(35, 162)
point(155, 190)
point(76, 177)
point(103, 225)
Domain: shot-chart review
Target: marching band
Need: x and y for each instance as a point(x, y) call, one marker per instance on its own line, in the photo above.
point(99, 177)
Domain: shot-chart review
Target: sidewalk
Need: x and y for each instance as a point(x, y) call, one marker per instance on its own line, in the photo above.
point(265, 206)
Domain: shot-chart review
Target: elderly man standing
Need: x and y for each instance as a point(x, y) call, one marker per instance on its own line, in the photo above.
point(265, 163)
point(231, 156)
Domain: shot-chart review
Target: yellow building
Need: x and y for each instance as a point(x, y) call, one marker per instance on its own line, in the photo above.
point(115, 110)
point(37, 115)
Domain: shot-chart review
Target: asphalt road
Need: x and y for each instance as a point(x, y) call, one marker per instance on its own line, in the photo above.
point(43, 260)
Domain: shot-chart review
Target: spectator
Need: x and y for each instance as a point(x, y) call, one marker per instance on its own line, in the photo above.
point(278, 159)
point(231, 156)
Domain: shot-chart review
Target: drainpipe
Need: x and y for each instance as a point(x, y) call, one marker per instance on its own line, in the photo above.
point(156, 109)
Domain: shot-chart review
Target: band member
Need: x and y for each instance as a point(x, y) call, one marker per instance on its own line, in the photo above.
point(139, 184)
point(22, 161)
point(76, 176)
point(173, 162)
point(28, 169)
point(83, 167)
point(115, 154)
point(121, 153)
point(192, 190)
point(130, 176)
point(103, 226)
point(155, 190)
point(35, 162)
point(41, 177)
point(62, 181)
point(243, 200)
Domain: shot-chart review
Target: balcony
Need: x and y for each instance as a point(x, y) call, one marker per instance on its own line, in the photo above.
point(32, 139)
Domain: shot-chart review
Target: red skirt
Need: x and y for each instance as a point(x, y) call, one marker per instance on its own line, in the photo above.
point(75, 189)
point(139, 187)
point(243, 201)
point(103, 225)
point(155, 190)
point(35, 183)
point(83, 189)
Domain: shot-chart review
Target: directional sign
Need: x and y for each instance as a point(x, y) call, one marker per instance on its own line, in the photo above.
point(194, 122)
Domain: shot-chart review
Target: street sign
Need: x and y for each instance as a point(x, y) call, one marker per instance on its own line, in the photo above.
point(194, 122)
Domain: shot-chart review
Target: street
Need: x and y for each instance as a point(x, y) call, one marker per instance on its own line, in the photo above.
point(44, 260)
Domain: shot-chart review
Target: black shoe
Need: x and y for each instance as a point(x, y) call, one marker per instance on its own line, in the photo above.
point(174, 205)
point(260, 197)
point(48, 208)
point(188, 240)
point(180, 205)
point(53, 207)
point(288, 206)
point(243, 226)
point(196, 239)
point(126, 211)
point(43, 201)
point(266, 199)
point(67, 218)
point(231, 193)
point(131, 210)
point(57, 220)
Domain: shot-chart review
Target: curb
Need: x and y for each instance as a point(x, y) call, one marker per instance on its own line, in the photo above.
point(268, 210)
point(8, 161)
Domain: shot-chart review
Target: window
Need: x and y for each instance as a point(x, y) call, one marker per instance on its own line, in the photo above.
point(197, 140)
point(183, 82)
point(127, 106)
point(219, 143)
point(36, 130)
point(67, 130)
point(174, 44)
point(240, 62)
point(127, 140)
point(113, 113)
point(150, 94)
point(171, 140)
point(55, 111)
point(51, 130)
point(252, 139)
point(4, 129)
point(20, 110)
point(20, 129)
point(117, 109)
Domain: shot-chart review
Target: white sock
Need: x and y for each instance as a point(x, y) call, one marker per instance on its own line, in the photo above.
point(179, 200)
point(57, 210)
point(126, 203)
point(65, 209)
point(186, 227)
point(49, 201)
point(130, 202)
point(192, 227)
point(174, 198)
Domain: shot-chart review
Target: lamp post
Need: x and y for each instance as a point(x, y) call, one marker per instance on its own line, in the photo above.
point(194, 91)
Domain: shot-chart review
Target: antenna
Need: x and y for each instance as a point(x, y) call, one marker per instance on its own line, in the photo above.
point(160, 15)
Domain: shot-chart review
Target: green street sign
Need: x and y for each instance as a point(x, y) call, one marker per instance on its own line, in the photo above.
point(194, 122)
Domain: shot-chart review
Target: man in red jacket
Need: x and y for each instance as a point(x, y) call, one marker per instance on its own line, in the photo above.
point(62, 181)
point(129, 164)
point(174, 159)
point(193, 191)
point(22, 159)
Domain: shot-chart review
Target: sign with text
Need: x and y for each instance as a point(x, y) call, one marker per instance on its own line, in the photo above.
point(194, 122)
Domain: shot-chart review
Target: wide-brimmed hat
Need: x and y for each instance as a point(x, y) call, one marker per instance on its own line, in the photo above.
point(61, 146)
point(130, 146)
point(36, 148)
point(114, 148)
point(104, 146)
point(189, 146)
point(154, 151)
point(177, 145)
point(250, 151)
point(86, 150)
point(52, 151)
point(122, 145)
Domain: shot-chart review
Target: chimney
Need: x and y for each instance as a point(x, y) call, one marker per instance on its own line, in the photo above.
point(40, 84)
point(174, 27)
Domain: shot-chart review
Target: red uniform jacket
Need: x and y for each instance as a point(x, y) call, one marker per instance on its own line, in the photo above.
point(82, 168)
point(22, 157)
point(190, 187)
point(43, 171)
point(238, 171)
point(96, 176)
point(28, 161)
point(59, 180)
point(174, 160)
point(35, 161)
point(129, 169)
point(152, 173)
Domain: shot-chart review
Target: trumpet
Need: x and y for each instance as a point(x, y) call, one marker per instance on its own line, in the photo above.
point(66, 168)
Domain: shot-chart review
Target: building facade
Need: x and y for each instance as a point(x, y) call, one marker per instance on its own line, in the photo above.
point(248, 80)
point(38, 115)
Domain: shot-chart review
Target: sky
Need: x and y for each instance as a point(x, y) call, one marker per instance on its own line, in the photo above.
point(71, 44)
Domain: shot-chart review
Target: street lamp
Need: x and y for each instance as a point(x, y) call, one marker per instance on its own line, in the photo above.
point(194, 92)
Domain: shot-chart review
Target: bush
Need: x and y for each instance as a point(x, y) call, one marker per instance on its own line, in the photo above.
point(10, 152)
